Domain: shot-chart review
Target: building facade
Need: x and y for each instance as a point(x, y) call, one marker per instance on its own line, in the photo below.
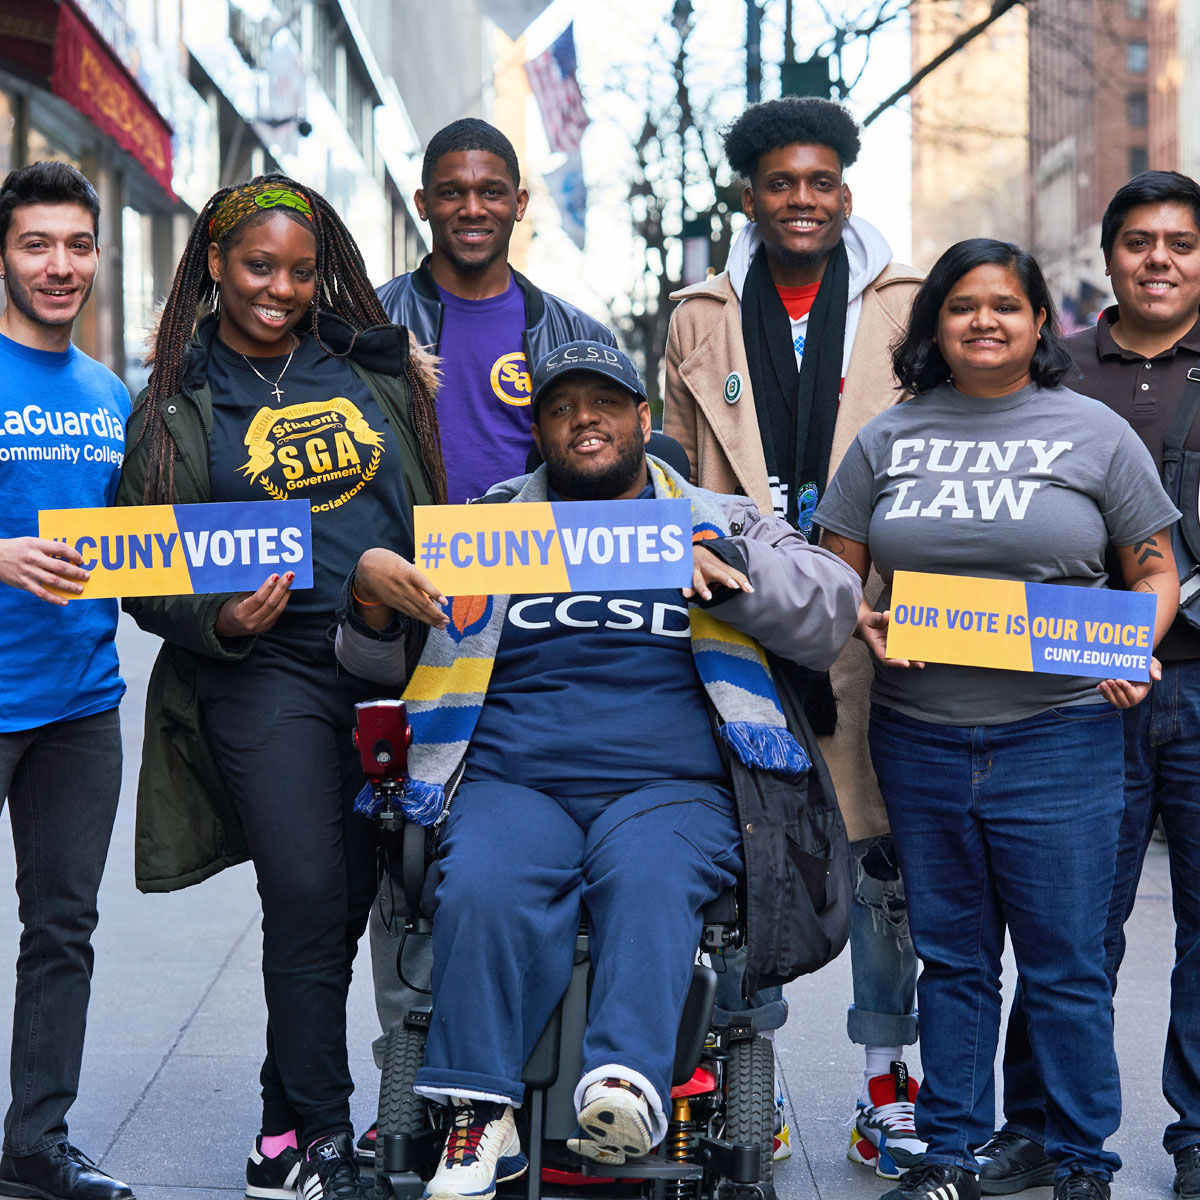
point(1104, 104)
point(160, 102)
point(970, 129)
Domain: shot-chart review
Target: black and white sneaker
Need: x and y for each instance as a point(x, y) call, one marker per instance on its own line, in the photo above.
point(935, 1181)
point(272, 1178)
point(329, 1172)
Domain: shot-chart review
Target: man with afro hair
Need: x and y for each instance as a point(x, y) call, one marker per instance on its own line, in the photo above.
point(773, 366)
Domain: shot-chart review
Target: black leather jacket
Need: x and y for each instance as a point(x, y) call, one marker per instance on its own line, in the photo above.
point(413, 300)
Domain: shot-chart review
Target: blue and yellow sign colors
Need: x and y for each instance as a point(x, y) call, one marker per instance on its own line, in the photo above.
point(556, 546)
point(1021, 626)
point(185, 549)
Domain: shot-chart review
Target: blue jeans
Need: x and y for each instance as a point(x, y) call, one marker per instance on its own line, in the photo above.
point(883, 964)
point(62, 782)
point(516, 864)
point(1015, 826)
point(1162, 778)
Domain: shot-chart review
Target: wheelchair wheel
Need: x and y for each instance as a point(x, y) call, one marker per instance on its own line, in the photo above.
point(401, 1110)
point(750, 1110)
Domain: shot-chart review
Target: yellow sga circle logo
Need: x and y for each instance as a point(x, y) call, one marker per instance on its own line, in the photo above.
point(314, 444)
point(510, 379)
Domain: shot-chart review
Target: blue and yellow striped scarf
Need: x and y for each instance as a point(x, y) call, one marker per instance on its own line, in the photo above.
point(446, 692)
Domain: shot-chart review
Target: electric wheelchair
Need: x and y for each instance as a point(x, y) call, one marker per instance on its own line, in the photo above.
point(722, 1107)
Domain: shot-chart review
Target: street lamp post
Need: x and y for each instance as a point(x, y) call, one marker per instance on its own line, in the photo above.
point(753, 52)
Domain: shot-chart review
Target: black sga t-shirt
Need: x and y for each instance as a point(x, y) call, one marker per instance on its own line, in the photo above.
point(324, 440)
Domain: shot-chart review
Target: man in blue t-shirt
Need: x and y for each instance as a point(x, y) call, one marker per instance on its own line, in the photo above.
point(62, 441)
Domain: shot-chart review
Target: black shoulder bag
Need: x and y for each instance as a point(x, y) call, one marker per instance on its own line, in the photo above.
point(1181, 479)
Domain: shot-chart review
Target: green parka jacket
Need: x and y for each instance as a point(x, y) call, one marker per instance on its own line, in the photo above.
point(187, 827)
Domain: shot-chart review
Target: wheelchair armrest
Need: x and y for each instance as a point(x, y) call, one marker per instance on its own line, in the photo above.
point(719, 925)
point(414, 865)
point(722, 910)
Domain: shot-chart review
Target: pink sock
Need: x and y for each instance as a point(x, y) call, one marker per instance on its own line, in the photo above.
point(274, 1146)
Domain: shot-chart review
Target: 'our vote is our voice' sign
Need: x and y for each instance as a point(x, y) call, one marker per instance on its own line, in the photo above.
point(555, 546)
point(185, 549)
point(1021, 626)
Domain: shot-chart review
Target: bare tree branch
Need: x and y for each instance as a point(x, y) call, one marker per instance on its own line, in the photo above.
point(998, 9)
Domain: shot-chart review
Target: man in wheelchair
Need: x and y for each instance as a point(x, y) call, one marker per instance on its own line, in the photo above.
point(627, 752)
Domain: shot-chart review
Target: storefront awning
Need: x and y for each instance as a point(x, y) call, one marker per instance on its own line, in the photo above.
point(53, 43)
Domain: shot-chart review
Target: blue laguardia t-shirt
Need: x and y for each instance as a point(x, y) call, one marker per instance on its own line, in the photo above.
point(483, 398)
point(593, 695)
point(62, 442)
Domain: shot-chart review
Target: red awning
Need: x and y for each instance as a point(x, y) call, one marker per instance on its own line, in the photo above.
point(57, 45)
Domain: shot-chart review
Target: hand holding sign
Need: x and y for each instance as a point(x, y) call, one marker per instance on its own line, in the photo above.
point(384, 577)
point(34, 564)
point(708, 568)
point(1122, 693)
point(255, 612)
point(873, 629)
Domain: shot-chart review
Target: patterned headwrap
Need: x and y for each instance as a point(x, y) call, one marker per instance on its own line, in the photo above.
point(254, 197)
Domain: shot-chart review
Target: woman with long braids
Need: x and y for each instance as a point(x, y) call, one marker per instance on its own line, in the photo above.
point(276, 374)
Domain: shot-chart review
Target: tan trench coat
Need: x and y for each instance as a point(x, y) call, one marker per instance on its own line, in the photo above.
point(704, 349)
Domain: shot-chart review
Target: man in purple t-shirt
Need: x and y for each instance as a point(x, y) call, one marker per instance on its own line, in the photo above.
point(487, 323)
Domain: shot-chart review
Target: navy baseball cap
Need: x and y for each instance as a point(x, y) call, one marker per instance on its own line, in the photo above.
point(595, 357)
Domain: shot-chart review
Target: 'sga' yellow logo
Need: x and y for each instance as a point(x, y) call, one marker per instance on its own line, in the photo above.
point(510, 379)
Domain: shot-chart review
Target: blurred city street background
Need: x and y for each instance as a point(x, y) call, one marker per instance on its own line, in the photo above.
point(1038, 113)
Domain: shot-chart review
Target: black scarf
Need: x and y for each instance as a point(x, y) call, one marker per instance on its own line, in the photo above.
point(796, 409)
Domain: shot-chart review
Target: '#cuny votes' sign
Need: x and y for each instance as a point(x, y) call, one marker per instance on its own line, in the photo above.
point(185, 549)
point(555, 546)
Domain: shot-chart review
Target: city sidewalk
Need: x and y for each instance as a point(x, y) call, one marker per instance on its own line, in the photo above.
point(169, 1095)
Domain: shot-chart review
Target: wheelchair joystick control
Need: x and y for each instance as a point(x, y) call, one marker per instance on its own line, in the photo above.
point(382, 736)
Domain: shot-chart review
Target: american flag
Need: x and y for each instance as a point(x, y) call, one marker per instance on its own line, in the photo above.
point(552, 80)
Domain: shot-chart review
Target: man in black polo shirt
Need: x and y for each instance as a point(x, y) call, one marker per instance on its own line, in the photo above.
point(1136, 361)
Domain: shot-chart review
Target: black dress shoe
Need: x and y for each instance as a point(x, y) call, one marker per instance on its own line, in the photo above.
point(1011, 1163)
point(1187, 1172)
point(59, 1173)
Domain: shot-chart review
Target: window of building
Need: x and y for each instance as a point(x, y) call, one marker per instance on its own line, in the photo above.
point(8, 124)
point(1139, 160)
point(1137, 110)
point(1137, 56)
point(1136, 9)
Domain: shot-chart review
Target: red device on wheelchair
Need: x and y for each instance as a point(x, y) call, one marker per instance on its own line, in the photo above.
point(382, 736)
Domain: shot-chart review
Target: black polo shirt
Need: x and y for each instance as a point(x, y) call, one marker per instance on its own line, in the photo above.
point(1145, 391)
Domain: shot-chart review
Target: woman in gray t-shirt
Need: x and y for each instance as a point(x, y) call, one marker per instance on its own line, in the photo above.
point(1003, 788)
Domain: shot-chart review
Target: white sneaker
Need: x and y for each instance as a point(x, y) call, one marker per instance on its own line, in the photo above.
point(782, 1145)
point(482, 1149)
point(615, 1123)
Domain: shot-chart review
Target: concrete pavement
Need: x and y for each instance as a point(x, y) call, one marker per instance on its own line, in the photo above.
point(169, 1095)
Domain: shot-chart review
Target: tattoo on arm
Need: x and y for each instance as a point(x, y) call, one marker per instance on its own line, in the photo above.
point(831, 541)
point(1144, 551)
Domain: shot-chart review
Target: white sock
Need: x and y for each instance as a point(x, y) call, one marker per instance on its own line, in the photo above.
point(879, 1062)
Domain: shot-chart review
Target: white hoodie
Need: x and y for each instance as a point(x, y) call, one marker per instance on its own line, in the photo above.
point(867, 251)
